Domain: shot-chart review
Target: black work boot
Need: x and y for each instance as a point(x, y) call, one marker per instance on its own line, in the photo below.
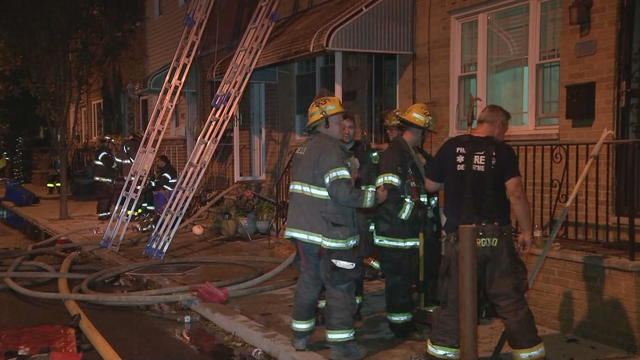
point(299, 341)
point(408, 331)
point(347, 350)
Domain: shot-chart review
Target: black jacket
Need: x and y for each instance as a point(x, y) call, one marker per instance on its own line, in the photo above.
point(322, 198)
point(400, 218)
point(166, 179)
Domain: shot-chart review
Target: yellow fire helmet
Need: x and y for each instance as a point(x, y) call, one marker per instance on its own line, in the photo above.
point(321, 108)
point(391, 118)
point(417, 115)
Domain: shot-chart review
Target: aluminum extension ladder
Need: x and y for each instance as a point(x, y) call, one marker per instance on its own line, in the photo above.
point(195, 22)
point(224, 105)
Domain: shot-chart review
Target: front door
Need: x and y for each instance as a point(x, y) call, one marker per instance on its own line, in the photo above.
point(628, 114)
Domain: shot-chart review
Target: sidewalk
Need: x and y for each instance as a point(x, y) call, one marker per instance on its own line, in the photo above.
point(263, 320)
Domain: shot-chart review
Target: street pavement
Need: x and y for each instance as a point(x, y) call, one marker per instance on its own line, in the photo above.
point(263, 319)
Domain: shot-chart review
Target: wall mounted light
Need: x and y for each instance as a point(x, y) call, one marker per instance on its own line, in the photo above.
point(580, 14)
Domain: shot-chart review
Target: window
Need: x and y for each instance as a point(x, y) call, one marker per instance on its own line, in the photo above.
point(144, 114)
point(95, 127)
point(369, 88)
point(157, 8)
point(313, 76)
point(249, 135)
point(508, 55)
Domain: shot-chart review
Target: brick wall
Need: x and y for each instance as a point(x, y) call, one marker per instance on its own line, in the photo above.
point(589, 296)
point(432, 65)
point(599, 67)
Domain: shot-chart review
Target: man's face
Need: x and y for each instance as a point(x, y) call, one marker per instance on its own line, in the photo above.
point(348, 130)
point(413, 136)
point(335, 126)
point(160, 163)
point(392, 132)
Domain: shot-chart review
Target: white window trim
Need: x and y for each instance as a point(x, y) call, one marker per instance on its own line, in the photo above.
point(480, 13)
point(258, 145)
point(93, 128)
point(157, 8)
point(83, 124)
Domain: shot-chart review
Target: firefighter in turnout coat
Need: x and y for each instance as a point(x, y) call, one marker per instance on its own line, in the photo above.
point(481, 180)
point(400, 218)
point(104, 166)
point(321, 222)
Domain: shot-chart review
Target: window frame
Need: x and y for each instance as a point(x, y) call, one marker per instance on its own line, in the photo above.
point(259, 144)
point(84, 135)
point(481, 14)
point(93, 127)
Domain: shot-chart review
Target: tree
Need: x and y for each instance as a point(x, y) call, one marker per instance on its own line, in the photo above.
point(63, 48)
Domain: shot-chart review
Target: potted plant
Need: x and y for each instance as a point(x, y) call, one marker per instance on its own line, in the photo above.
point(228, 223)
point(264, 216)
point(246, 205)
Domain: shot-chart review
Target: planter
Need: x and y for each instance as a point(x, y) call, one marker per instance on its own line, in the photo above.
point(246, 225)
point(263, 226)
point(228, 227)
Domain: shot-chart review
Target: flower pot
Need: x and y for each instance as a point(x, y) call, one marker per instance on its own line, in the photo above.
point(246, 225)
point(228, 227)
point(263, 226)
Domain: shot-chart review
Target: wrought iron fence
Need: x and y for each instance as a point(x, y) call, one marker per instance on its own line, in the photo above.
point(282, 193)
point(607, 203)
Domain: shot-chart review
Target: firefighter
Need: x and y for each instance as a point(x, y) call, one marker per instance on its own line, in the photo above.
point(128, 149)
point(481, 180)
point(399, 220)
point(392, 128)
point(361, 163)
point(321, 222)
point(364, 170)
point(166, 175)
point(103, 173)
point(160, 188)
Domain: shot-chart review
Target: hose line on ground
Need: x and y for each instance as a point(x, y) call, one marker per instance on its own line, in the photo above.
point(97, 340)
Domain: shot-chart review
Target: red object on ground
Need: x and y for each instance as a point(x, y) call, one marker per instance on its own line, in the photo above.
point(211, 294)
point(64, 356)
point(59, 340)
point(62, 241)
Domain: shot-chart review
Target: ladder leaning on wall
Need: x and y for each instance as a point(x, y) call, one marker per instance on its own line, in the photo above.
point(195, 22)
point(224, 103)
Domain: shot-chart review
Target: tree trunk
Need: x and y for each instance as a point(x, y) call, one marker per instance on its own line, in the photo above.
point(64, 211)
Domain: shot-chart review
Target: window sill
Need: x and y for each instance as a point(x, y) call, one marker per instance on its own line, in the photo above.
point(547, 133)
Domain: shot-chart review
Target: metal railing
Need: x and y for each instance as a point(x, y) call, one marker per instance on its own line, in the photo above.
point(607, 204)
point(282, 193)
point(605, 209)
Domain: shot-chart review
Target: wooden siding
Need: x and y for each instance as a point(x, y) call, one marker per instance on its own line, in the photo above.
point(163, 32)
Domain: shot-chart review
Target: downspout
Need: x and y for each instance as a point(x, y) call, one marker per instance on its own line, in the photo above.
point(413, 57)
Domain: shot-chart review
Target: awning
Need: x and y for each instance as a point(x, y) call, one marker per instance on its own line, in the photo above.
point(373, 26)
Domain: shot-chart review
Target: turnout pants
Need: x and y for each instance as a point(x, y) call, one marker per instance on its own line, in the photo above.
point(104, 195)
point(400, 268)
point(318, 269)
point(502, 276)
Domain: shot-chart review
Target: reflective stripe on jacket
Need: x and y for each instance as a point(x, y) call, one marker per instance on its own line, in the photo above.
point(322, 198)
point(399, 221)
